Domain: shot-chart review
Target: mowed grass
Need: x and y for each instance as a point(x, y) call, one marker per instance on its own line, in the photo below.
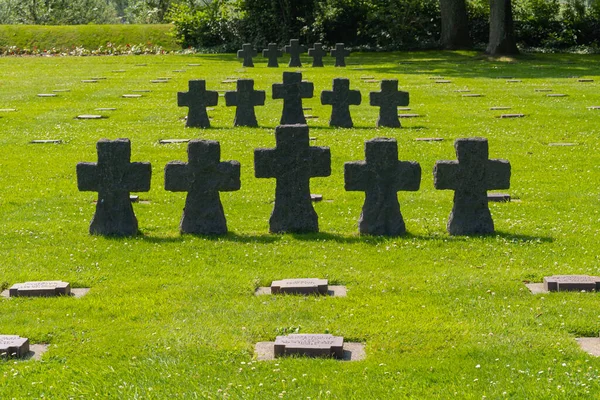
point(172, 316)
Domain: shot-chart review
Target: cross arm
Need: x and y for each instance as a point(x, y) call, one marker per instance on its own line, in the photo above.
point(354, 97)
point(356, 176)
point(327, 97)
point(402, 98)
point(320, 164)
point(176, 177)
point(264, 163)
point(278, 91)
point(212, 98)
point(229, 174)
point(231, 98)
point(258, 97)
point(87, 177)
point(408, 176)
point(137, 177)
point(444, 174)
point(182, 99)
point(497, 174)
point(306, 89)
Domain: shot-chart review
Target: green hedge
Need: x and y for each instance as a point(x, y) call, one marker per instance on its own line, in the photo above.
point(87, 36)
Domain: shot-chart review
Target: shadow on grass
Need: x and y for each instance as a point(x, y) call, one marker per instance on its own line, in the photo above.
point(464, 64)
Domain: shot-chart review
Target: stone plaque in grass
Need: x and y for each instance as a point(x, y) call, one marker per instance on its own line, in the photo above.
point(106, 109)
point(562, 144)
point(46, 141)
point(409, 115)
point(463, 90)
point(556, 95)
point(429, 139)
point(443, 81)
point(511, 116)
point(8, 109)
point(131, 96)
point(40, 289)
point(585, 80)
point(472, 95)
point(193, 65)
point(594, 108)
point(565, 283)
point(13, 346)
point(498, 197)
point(179, 70)
point(173, 141)
point(159, 81)
point(300, 286)
point(513, 80)
point(543, 90)
point(141, 91)
point(316, 197)
point(499, 108)
point(89, 80)
point(90, 116)
point(47, 95)
point(310, 345)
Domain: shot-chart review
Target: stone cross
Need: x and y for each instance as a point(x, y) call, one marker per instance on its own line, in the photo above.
point(341, 98)
point(471, 177)
point(203, 177)
point(245, 98)
point(317, 53)
point(113, 177)
point(247, 53)
point(272, 52)
point(292, 163)
point(294, 49)
point(292, 91)
point(388, 100)
point(380, 176)
point(340, 53)
point(197, 99)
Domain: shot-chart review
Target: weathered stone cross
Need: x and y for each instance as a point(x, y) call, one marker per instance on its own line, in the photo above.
point(380, 176)
point(292, 91)
point(340, 53)
point(245, 99)
point(197, 99)
point(247, 53)
point(292, 163)
point(294, 49)
point(203, 177)
point(341, 98)
point(113, 177)
point(272, 52)
point(471, 177)
point(388, 100)
point(317, 53)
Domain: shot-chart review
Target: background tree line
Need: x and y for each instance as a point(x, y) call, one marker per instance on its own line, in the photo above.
point(223, 25)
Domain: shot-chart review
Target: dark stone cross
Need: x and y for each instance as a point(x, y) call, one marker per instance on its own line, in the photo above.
point(292, 91)
point(341, 98)
point(294, 49)
point(340, 53)
point(471, 177)
point(245, 98)
point(113, 177)
point(197, 99)
point(380, 176)
point(292, 163)
point(203, 177)
point(247, 53)
point(388, 100)
point(272, 52)
point(317, 53)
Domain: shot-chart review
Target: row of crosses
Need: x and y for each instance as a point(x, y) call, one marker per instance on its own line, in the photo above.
point(292, 91)
point(293, 162)
point(294, 49)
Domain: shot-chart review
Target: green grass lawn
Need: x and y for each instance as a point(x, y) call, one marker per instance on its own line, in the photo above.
point(172, 316)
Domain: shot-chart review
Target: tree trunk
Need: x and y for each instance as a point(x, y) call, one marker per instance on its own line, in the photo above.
point(455, 25)
point(502, 38)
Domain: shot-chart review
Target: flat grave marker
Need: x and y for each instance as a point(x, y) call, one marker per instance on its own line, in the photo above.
point(443, 81)
point(432, 139)
point(13, 346)
point(594, 108)
point(90, 116)
point(300, 286)
point(590, 345)
point(173, 141)
point(498, 197)
point(46, 141)
point(472, 95)
point(89, 80)
point(8, 109)
point(106, 109)
point(511, 116)
point(310, 345)
point(565, 283)
point(131, 96)
point(159, 81)
point(409, 115)
point(499, 108)
point(40, 289)
point(542, 90)
point(585, 80)
point(61, 90)
point(47, 95)
point(404, 108)
point(194, 65)
point(316, 197)
point(564, 144)
point(556, 95)
point(513, 80)
point(141, 91)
